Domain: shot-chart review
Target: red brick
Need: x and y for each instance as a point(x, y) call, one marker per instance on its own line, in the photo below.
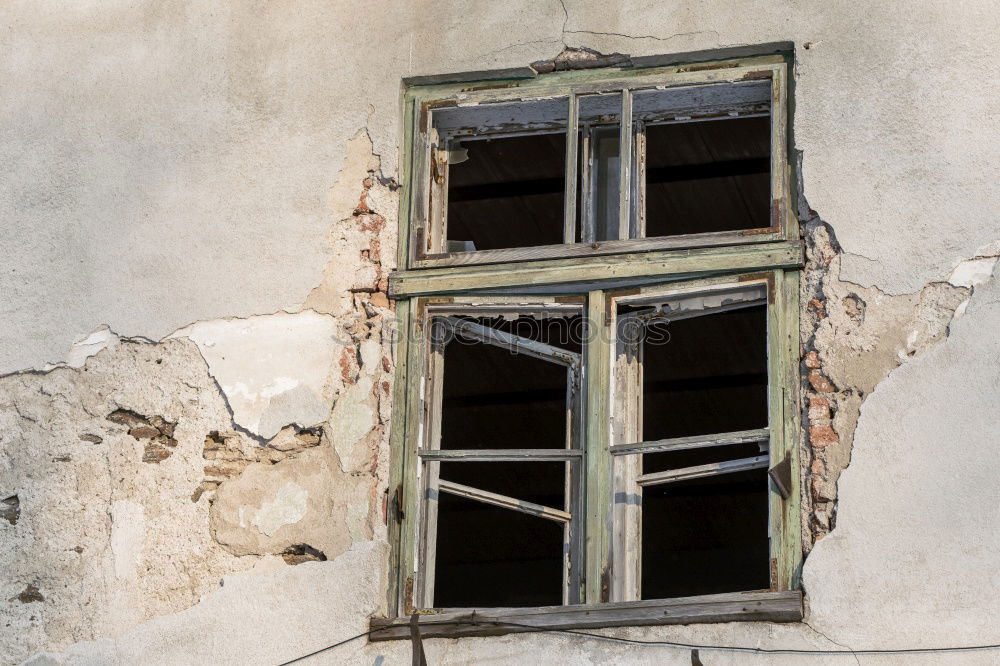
point(820, 383)
point(822, 436)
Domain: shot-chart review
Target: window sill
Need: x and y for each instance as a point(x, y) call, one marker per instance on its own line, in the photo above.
point(761, 606)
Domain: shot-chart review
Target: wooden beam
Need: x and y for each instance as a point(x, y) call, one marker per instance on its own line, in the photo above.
point(699, 471)
point(761, 606)
point(695, 442)
point(597, 269)
point(496, 499)
point(501, 455)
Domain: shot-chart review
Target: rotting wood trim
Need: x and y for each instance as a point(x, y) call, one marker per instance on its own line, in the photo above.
point(700, 471)
point(592, 248)
point(505, 501)
point(694, 442)
point(593, 270)
point(767, 606)
point(502, 455)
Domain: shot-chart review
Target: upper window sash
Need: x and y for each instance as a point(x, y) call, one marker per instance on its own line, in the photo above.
point(569, 107)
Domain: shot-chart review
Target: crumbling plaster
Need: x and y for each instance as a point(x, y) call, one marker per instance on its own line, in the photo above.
point(224, 174)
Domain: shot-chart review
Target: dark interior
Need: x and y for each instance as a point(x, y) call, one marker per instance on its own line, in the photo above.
point(494, 399)
point(708, 176)
point(509, 192)
point(705, 375)
point(705, 536)
point(493, 556)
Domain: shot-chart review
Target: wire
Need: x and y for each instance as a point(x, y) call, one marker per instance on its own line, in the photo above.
point(331, 647)
point(671, 644)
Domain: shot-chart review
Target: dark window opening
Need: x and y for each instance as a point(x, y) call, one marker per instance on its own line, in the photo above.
point(507, 193)
point(489, 556)
point(708, 176)
point(495, 399)
point(705, 374)
point(705, 536)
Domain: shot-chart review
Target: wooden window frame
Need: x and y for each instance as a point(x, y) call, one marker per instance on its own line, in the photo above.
point(424, 220)
point(593, 280)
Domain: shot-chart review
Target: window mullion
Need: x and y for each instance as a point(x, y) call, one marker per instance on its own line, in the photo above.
point(626, 420)
point(431, 471)
point(625, 166)
point(570, 179)
point(599, 496)
point(782, 329)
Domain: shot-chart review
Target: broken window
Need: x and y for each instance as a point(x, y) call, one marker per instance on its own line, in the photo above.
point(690, 443)
point(614, 429)
point(500, 468)
point(632, 165)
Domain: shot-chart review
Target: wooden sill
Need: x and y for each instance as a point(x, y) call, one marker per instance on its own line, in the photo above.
point(760, 606)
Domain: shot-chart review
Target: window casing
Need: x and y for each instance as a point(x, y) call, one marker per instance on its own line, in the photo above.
point(609, 274)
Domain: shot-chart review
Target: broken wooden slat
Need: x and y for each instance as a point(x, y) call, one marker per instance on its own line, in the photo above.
point(766, 606)
point(695, 442)
point(514, 343)
point(496, 499)
point(501, 455)
point(699, 471)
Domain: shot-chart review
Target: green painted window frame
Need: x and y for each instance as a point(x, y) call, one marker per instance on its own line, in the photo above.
point(593, 279)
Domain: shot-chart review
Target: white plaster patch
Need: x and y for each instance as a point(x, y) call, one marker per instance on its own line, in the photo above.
point(128, 532)
point(274, 369)
point(351, 420)
point(973, 272)
point(86, 346)
point(287, 508)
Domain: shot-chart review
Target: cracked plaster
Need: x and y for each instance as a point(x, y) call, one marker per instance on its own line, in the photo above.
point(214, 202)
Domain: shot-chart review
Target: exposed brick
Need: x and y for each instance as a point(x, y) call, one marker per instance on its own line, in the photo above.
point(379, 300)
point(812, 360)
point(820, 383)
point(818, 467)
point(819, 410)
point(822, 436)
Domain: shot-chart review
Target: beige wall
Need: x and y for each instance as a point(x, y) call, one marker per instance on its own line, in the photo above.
point(197, 222)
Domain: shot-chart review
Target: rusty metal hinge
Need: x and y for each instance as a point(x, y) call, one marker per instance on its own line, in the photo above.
point(397, 504)
point(781, 474)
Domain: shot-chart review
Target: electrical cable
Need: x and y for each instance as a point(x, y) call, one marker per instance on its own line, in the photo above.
point(681, 646)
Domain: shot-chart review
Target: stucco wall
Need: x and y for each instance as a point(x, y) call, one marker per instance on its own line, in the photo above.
point(198, 216)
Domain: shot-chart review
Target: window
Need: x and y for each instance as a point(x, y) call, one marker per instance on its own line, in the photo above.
point(596, 407)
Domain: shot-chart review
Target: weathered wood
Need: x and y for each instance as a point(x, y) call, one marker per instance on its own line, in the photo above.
point(570, 175)
point(430, 474)
point(625, 167)
point(699, 471)
point(694, 442)
point(764, 606)
point(626, 426)
point(496, 499)
point(501, 455)
point(786, 517)
point(399, 451)
point(511, 342)
point(593, 270)
point(596, 248)
point(598, 459)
